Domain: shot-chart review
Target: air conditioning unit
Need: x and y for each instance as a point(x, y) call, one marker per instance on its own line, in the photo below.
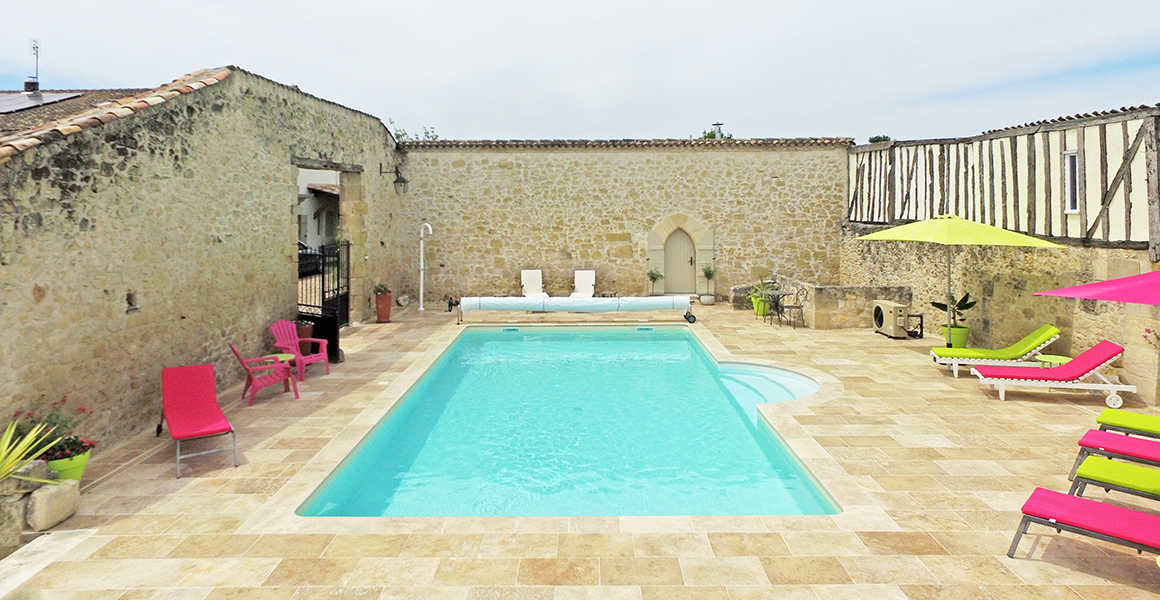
point(890, 318)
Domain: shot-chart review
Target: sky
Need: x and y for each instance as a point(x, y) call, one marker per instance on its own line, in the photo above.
point(597, 69)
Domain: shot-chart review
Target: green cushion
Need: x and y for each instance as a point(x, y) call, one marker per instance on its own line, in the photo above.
point(1129, 420)
point(1126, 475)
point(1015, 351)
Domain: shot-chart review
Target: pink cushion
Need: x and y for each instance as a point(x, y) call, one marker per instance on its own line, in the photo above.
point(1078, 368)
point(1089, 515)
point(1119, 443)
point(190, 403)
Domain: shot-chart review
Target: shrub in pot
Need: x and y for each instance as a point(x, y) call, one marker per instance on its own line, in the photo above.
point(382, 303)
point(957, 337)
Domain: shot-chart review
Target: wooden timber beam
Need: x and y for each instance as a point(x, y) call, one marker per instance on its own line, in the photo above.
point(1110, 192)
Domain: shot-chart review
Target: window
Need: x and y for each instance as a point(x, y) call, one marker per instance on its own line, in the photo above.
point(1070, 182)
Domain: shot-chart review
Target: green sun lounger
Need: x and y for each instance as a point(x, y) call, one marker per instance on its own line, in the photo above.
point(1124, 477)
point(1129, 422)
point(1016, 355)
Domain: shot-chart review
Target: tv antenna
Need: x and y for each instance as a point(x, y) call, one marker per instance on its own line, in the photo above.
point(36, 54)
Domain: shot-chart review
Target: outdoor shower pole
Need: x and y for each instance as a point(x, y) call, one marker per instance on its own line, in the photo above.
point(424, 229)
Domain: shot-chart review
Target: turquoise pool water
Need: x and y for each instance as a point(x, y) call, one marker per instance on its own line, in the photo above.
point(577, 422)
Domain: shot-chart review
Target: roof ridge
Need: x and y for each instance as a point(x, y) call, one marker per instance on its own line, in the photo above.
point(17, 142)
point(1123, 110)
point(628, 143)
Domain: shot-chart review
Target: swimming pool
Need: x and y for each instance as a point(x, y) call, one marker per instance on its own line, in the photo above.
point(577, 421)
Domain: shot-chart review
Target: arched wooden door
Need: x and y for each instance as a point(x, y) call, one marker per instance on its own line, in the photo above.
point(680, 264)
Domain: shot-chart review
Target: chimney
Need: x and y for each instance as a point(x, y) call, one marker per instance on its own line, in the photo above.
point(32, 86)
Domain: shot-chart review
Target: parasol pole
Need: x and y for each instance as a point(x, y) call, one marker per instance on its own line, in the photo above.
point(950, 297)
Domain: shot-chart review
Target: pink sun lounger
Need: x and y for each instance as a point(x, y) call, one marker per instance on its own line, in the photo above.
point(1106, 522)
point(1116, 445)
point(1071, 375)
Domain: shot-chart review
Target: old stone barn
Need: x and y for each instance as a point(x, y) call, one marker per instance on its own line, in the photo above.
point(141, 229)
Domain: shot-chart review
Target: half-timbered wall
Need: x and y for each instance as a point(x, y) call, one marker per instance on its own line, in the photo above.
point(1018, 179)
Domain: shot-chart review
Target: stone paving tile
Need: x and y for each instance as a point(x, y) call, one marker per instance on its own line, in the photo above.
point(930, 470)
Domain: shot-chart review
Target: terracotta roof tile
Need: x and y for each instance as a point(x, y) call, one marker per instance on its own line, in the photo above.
point(34, 126)
point(660, 143)
point(1126, 110)
point(325, 188)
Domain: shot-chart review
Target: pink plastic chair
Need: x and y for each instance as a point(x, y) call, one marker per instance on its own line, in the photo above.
point(264, 371)
point(189, 406)
point(286, 339)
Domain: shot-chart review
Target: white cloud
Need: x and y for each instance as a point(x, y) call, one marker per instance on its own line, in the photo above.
point(605, 69)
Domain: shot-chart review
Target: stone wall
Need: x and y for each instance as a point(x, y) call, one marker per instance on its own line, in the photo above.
point(500, 207)
point(155, 239)
point(842, 306)
point(1003, 279)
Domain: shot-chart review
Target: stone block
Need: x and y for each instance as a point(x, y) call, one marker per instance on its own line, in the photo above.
point(52, 504)
point(12, 519)
point(36, 468)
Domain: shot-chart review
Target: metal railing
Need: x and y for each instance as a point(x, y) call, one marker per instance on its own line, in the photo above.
point(324, 281)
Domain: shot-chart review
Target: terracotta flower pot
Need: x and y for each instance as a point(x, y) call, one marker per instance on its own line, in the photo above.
point(306, 331)
point(383, 307)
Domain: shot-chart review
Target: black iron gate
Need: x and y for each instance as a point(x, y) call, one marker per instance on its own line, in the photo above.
point(324, 282)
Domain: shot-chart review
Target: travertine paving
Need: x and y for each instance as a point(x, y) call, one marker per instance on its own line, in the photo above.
point(930, 472)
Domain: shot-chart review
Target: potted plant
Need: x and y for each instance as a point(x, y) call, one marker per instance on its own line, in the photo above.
point(17, 450)
point(958, 334)
point(759, 296)
point(710, 272)
point(69, 453)
point(382, 303)
point(654, 275)
point(305, 330)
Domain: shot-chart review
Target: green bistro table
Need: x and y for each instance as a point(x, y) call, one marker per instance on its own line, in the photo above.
point(1052, 360)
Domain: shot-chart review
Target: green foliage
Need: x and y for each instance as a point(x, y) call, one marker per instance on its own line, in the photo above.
point(62, 421)
point(874, 139)
point(655, 275)
point(957, 307)
point(401, 134)
point(709, 271)
point(761, 288)
point(17, 450)
point(380, 288)
point(716, 134)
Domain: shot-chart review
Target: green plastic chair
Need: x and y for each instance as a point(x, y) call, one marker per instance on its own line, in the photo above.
point(1016, 355)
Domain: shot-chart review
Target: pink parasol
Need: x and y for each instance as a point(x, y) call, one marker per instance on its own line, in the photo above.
point(1136, 289)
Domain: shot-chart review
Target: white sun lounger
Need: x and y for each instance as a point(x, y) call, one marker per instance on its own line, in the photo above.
point(585, 284)
point(592, 305)
point(532, 281)
point(1071, 375)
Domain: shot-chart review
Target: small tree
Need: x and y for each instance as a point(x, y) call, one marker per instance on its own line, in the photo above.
point(654, 275)
point(710, 272)
point(874, 139)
